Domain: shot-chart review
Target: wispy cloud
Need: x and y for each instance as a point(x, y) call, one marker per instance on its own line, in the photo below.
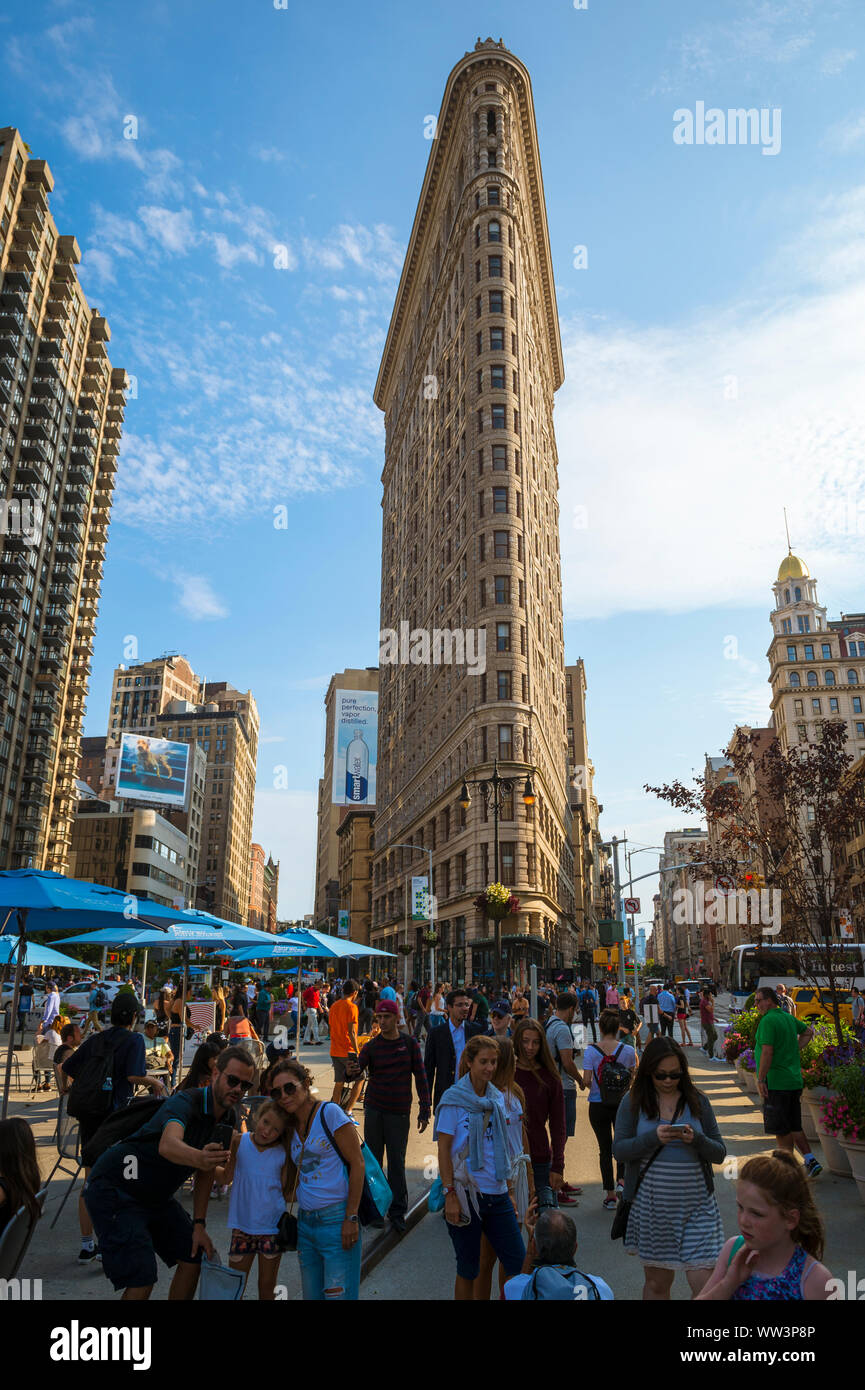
point(197, 599)
point(848, 134)
point(836, 60)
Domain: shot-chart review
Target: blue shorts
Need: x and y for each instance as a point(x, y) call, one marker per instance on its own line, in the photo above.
point(131, 1235)
point(498, 1222)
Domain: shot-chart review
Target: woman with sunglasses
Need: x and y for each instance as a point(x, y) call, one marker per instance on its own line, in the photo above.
point(326, 1175)
point(668, 1138)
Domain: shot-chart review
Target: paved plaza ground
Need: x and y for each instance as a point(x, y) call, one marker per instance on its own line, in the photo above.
point(422, 1266)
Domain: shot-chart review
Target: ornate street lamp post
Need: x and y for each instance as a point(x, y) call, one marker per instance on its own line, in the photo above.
point(493, 789)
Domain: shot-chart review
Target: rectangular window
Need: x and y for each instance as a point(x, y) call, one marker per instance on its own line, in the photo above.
point(857, 704)
point(791, 653)
point(506, 851)
point(798, 707)
point(494, 266)
point(809, 652)
point(504, 685)
point(500, 499)
point(498, 417)
point(482, 593)
point(833, 705)
point(503, 637)
point(815, 706)
point(497, 378)
point(860, 730)
point(480, 504)
point(503, 588)
point(505, 740)
point(493, 196)
point(482, 546)
point(497, 302)
point(826, 649)
point(500, 458)
point(501, 546)
point(497, 340)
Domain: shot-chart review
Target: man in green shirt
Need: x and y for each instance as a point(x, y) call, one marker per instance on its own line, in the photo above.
point(779, 1075)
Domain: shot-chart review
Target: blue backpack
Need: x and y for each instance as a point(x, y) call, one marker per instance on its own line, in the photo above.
point(564, 1283)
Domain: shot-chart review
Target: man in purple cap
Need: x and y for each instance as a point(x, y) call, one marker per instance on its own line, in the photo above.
point(391, 1059)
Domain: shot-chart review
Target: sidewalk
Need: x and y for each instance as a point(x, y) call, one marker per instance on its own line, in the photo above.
point(421, 1267)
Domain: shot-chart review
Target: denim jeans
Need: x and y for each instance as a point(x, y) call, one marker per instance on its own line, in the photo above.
point(498, 1222)
point(324, 1265)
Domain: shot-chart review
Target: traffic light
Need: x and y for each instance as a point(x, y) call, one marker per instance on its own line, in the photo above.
point(112, 958)
point(750, 880)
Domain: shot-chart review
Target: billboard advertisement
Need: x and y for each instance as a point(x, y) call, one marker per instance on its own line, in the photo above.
point(153, 769)
point(355, 743)
point(420, 907)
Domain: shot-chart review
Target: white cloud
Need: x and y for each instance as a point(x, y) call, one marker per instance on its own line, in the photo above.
point(269, 154)
point(173, 230)
point(228, 254)
point(197, 599)
point(847, 134)
point(679, 446)
point(836, 60)
point(99, 267)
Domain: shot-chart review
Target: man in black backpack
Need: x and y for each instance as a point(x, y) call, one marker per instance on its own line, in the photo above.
point(105, 1070)
point(131, 1190)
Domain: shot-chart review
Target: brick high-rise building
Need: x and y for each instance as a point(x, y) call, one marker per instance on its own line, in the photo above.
point(61, 414)
point(471, 538)
point(263, 890)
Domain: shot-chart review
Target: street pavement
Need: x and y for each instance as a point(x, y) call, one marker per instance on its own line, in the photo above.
point(422, 1266)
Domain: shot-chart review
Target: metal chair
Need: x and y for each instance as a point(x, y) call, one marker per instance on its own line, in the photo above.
point(17, 1237)
point(67, 1137)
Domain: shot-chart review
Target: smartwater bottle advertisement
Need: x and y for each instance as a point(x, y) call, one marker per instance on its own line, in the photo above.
point(354, 751)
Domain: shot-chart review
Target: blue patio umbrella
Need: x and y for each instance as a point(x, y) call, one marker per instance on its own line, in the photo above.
point(38, 900)
point(34, 954)
point(338, 946)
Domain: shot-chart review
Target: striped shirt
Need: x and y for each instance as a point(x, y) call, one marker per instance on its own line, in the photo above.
point(390, 1064)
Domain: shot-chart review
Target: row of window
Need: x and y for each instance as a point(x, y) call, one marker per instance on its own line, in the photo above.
point(812, 678)
point(853, 649)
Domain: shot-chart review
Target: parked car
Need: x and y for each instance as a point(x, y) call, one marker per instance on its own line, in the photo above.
point(8, 990)
point(77, 996)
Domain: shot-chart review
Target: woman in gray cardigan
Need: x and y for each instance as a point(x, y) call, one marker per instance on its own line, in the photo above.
point(666, 1131)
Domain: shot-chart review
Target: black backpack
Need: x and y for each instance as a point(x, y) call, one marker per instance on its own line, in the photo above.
point(614, 1080)
point(120, 1124)
point(92, 1092)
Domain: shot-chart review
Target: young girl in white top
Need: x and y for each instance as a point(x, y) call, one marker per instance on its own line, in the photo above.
point(258, 1192)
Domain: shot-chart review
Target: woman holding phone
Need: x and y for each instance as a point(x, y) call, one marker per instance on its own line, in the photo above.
point(668, 1138)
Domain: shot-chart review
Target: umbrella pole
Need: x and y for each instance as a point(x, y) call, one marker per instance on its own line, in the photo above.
point(297, 1037)
point(7, 1079)
point(183, 1011)
point(144, 981)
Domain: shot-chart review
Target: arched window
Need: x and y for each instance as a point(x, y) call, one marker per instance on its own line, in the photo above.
point(786, 595)
point(830, 677)
point(494, 231)
point(852, 678)
point(811, 678)
point(798, 592)
point(794, 679)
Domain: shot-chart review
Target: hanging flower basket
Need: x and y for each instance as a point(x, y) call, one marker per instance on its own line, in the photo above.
point(405, 950)
point(497, 902)
point(430, 938)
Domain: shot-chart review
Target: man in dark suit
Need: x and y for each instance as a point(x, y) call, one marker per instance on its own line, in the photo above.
point(444, 1045)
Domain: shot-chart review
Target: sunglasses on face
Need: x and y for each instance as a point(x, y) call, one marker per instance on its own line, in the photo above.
point(287, 1090)
point(668, 1076)
point(235, 1084)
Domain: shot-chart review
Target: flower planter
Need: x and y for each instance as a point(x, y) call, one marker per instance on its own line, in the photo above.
point(739, 1071)
point(809, 1123)
point(750, 1079)
point(836, 1159)
point(854, 1151)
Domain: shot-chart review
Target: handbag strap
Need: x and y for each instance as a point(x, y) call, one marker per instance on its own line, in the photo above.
point(645, 1170)
point(302, 1151)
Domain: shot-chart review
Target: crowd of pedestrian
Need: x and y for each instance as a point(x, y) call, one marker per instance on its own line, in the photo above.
point(503, 1086)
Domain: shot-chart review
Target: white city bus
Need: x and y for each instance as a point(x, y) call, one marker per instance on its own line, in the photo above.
point(771, 963)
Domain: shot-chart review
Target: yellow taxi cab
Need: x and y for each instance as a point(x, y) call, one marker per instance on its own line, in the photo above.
point(811, 1002)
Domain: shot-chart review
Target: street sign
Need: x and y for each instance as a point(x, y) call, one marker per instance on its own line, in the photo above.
point(632, 906)
point(343, 920)
point(724, 884)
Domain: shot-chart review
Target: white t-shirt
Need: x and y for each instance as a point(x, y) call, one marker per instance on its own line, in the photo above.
point(514, 1288)
point(323, 1175)
point(452, 1119)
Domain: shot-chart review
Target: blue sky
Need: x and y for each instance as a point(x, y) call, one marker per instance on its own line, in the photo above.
point(245, 246)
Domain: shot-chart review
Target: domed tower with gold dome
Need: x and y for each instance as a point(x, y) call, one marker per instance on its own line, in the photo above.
point(814, 669)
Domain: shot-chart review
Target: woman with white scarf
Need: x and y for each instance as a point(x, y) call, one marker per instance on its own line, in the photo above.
point(475, 1163)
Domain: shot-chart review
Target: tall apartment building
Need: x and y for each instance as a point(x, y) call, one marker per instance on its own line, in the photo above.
point(61, 414)
point(590, 858)
point(225, 728)
point(471, 538)
point(326, 902)
point(817, 667)
point(135, 850)
point(141, 691)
